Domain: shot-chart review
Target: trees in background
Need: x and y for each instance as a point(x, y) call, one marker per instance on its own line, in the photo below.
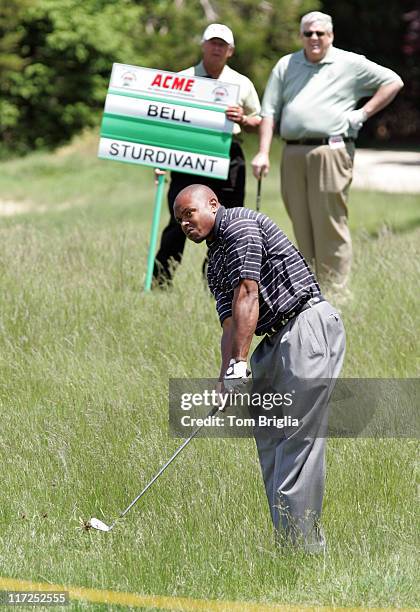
point(56, 55)
point(62, 51)
point(11, 63)
point(387, 33)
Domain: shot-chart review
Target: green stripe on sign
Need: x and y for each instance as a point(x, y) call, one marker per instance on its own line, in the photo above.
point(130, 94)
point(165, 134)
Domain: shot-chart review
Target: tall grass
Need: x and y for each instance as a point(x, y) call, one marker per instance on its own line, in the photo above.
point(85, 359)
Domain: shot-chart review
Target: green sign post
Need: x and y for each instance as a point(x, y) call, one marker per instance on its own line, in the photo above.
point(170, 121)
point(154, 232)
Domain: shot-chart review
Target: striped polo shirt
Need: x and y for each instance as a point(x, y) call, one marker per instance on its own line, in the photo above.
point(249, 245)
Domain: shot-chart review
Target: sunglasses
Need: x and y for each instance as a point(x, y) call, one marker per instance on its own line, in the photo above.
point(309, 34)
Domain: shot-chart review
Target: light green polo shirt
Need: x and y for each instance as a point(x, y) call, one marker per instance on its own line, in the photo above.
point(313, 99)
point(248, 97)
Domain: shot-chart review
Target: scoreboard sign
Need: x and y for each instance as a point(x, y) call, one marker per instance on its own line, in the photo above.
point(168, 120)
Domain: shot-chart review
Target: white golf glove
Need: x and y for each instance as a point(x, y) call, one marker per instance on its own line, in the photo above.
point(237, 375)
point(356, 118)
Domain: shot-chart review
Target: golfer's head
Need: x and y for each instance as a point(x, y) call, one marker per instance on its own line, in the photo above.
point(195, 210)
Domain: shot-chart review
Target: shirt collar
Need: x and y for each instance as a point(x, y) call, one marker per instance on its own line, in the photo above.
point(217, 222)
point(329, 57)
point(200, 71)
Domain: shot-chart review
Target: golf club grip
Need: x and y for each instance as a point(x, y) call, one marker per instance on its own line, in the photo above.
point(163, 468)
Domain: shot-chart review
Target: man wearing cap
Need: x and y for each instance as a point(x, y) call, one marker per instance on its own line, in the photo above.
point(217, 47)
point(313, 94)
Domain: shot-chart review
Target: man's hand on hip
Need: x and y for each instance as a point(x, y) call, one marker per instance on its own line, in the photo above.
point(356, 118)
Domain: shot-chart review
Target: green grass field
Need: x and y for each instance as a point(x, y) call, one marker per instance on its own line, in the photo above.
point(85, 359)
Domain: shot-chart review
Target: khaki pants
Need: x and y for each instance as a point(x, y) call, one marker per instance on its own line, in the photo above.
point(315, 181)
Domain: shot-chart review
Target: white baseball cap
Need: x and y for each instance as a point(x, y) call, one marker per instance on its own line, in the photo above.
point(218, 30)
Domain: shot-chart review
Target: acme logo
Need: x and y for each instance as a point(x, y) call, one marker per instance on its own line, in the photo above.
point(170, 81)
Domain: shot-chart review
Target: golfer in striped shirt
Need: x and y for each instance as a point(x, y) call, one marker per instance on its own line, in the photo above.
point(263, 286)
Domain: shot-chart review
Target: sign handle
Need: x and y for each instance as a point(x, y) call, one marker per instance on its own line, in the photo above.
point(154, 231)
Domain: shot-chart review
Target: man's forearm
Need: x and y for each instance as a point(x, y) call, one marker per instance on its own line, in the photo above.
point(226, 346)
point(261, 162)
point(382, 98)
point(266, 134)
point(251, 124)
point(245, 311)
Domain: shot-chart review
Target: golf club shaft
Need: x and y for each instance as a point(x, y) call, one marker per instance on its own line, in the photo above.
point(163, 468)
point(258, 204)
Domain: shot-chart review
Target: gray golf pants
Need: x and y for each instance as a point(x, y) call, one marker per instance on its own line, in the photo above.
point(305, 359)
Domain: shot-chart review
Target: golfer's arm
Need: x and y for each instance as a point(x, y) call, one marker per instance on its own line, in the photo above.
point(239, 329)
point(226, 346)
point(382, 97)
point(266, 134)
point(245, 311)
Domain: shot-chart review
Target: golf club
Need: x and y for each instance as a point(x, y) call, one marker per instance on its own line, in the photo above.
point(259, 193)
point(101, 526)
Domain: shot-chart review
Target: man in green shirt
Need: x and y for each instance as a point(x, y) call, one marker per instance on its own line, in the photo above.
point(312, 94)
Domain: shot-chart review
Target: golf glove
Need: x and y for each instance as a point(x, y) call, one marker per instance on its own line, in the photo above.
point(356, 118)
point(237, 375)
